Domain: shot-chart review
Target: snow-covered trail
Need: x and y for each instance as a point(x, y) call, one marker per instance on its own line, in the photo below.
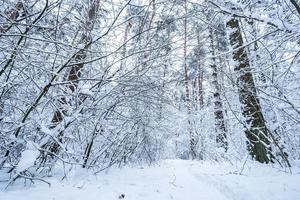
point(171, 179)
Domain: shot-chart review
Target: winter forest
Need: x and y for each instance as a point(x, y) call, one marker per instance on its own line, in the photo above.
point(150, 99)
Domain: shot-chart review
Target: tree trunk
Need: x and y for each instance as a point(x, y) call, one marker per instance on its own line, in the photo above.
point(256, 132)
point(75, 73)
point(187, 90)
point(200, 75)
point(218, 105)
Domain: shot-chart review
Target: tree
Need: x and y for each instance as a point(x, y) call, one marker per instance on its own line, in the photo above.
point(256, 129)
point(218, 105)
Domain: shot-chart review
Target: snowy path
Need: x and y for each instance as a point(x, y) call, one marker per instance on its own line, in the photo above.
point(172, 179)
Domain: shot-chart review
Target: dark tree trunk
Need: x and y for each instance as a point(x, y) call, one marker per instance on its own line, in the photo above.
point(218, 105)
point(256, 132)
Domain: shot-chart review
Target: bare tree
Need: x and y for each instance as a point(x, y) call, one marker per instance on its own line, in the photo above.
point(74, 74)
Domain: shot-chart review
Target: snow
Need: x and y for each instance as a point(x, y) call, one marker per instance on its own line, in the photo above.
point(171, 179)
point(28, 158)
point(86, 89)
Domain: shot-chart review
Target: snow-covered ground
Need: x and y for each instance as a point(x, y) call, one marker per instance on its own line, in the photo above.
point(170, 179)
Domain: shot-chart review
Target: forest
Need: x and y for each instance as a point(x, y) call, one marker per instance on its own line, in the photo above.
point(106, 88)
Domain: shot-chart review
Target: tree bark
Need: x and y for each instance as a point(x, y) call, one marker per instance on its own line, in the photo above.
point(75, 72)
point(218, 105)
point(200, 74)
point(256, 131)
point(187, 90)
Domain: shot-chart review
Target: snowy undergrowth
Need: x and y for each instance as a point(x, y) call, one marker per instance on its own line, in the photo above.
point(170, 179)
